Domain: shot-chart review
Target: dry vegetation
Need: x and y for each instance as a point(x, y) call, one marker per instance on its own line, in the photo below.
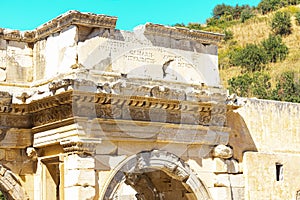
point(254, 31)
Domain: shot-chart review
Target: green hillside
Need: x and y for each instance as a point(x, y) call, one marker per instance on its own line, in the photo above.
point(260, 55)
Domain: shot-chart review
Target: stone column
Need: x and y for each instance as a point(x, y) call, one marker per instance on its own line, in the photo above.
point(79, 177)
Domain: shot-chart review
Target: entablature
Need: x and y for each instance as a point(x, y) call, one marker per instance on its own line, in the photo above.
point(113, 106)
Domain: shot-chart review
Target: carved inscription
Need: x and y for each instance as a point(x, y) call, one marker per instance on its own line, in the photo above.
point(140, 55)
point(113, 45)
point(179, 60)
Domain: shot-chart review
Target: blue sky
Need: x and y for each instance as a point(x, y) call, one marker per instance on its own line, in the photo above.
point(29, 14)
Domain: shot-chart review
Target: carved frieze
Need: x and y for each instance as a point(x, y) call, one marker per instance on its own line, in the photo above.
point(81, 98)
point(108, 111)
point(53, 114)
point(111, 106)
point(78, 146)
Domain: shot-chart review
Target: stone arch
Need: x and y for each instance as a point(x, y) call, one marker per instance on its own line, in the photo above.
point(133, 169)
point(10, 186)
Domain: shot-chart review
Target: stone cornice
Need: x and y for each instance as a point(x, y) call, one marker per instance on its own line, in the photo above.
point(59, 23)
point(183, 33)
point(112, 106)
point(94, 20)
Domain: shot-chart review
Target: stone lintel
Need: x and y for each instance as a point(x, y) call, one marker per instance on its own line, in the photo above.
point(51, 136)
point(85, 134)
point(128, 130)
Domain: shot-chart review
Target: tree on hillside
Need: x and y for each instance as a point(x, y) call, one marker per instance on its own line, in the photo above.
point(255, 84)
point(220, 9)
point(252, 57)
point(261, 85)
point(237, 10)
point(240, 85)
point(275, 49)
point(266, 6)
point(289, 2)
point(246, 14)
point(2, 196)
point(281, 23)
point(229, 12)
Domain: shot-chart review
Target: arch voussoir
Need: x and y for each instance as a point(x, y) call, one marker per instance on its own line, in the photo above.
point(10, 185)
point(140, 166)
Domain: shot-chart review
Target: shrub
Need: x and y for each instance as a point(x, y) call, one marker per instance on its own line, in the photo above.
point(255, 84)
point(240, 85)
point(287, 88)
point(261, 85)
point(281, 23)
point(212, 22)
point(275, 49)
point(179, 25)
point(252, 57)
point(228, 35)
point(195, 26)
point(246, 14)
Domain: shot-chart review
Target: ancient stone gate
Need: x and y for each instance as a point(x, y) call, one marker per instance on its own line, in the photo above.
point(92, 112)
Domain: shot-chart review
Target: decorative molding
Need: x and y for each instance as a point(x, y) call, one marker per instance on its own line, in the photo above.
point(112, 106)
point(78, 146)
point(183, 33)
point(163, 105)
point(51, 115)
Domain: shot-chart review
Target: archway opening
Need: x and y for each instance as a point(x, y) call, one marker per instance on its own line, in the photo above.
point(10, 186)
point(155, 175)
point(152, 185)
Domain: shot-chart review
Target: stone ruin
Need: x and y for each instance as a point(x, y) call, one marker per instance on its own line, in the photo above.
point(92, 112)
